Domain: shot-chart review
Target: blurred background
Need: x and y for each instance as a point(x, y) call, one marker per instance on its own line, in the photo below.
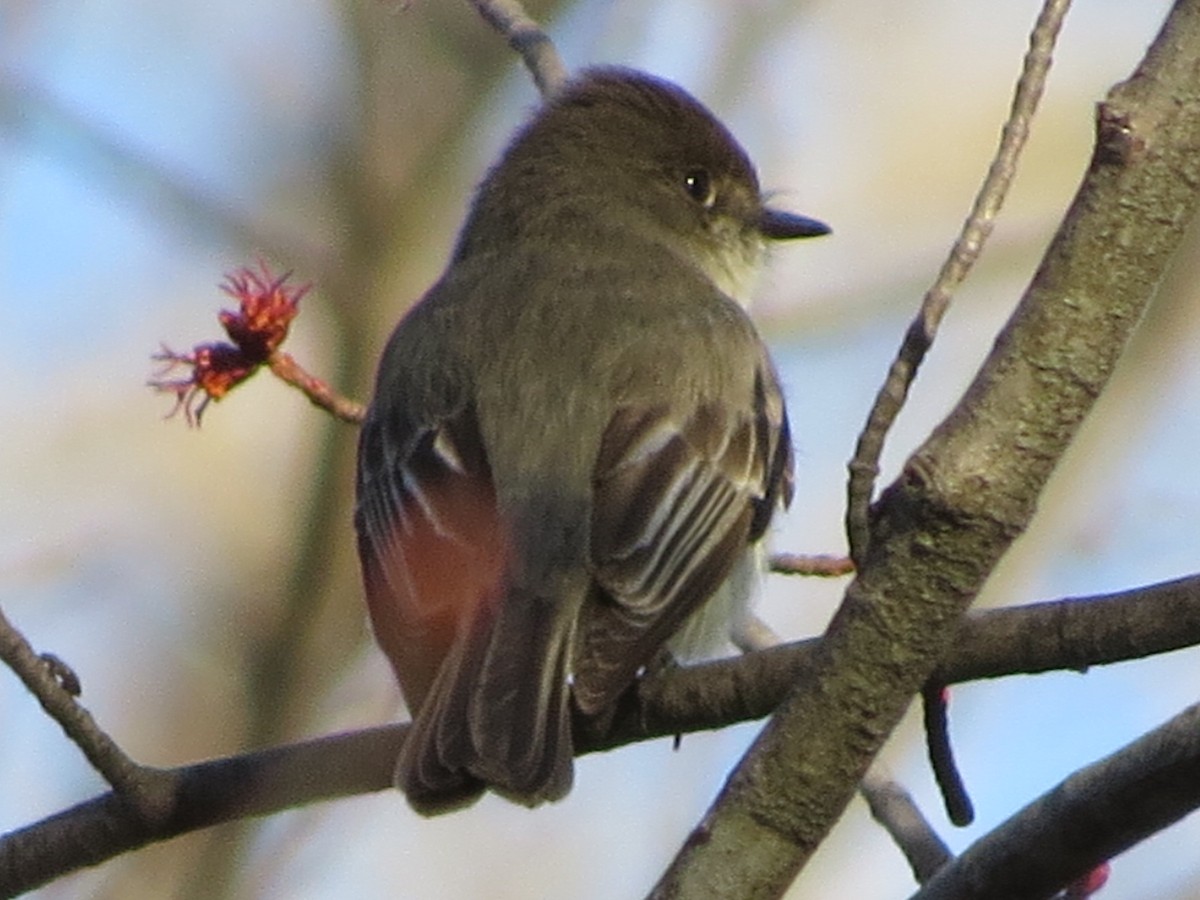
point(203, 582)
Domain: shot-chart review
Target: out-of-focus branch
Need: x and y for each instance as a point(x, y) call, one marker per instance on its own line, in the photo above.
point(864, 467)
point(894, 808)
point(1055, 635)
point(526, 37)
point(108, 159)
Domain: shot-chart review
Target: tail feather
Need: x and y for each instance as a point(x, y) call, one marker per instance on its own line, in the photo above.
point(497, 715)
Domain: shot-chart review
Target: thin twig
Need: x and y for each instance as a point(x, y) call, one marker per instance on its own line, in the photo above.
point(819, 565)
point(864, 467)
point(935, 712)
point(526, 37)
point(284, 366)
point(145, 789)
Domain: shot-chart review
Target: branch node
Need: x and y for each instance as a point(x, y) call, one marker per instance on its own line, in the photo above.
point(1118, 142)
point(62, 673)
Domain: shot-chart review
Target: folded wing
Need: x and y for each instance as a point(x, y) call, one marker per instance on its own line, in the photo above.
point(678, 498)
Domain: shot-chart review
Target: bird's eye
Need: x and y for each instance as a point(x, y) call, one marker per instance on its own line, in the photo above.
point(699, 186)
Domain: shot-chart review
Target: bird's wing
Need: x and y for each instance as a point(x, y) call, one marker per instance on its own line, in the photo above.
point(428, 536)
point(678, 496)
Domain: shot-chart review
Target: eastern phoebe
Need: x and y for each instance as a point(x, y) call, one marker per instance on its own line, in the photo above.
point(575, 436)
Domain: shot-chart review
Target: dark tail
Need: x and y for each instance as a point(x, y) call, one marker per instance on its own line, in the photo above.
point(497, 715)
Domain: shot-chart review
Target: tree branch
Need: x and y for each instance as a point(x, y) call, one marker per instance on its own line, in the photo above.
point(142, 790)
point(1090, 817)
point(319, 393)
point(1073, 633)
point(894, 808)
point(203, 795)
point(819, 566)
point(525, 36)
point(973, 486)
point(1103, 629)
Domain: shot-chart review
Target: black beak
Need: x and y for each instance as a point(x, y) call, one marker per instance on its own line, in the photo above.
point(779, 225)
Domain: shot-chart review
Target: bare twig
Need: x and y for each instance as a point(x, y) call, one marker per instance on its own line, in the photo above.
point(52, 682)
point(864, 467)
point(935, 702)
point(267, 305)
point(752, 633)
point(526, 37)
point(894, 808)
point(284, 366)
point(821, 565)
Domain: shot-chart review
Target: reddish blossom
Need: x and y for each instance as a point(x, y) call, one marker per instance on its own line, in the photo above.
point(266, 307)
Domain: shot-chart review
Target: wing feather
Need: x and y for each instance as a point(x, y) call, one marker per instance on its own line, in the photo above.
point(678, 497)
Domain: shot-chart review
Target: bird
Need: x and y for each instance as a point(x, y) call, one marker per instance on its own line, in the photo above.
point(576, 435)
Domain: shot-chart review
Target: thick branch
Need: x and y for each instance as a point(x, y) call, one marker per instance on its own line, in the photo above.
point(1067, 633)
point(205, 794)
point(1073, 633)
point(971, 489)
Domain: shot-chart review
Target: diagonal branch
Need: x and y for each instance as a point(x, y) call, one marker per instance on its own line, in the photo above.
point(105, 158)
point(894, 808)
point(525, 36)
point(319, 392)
